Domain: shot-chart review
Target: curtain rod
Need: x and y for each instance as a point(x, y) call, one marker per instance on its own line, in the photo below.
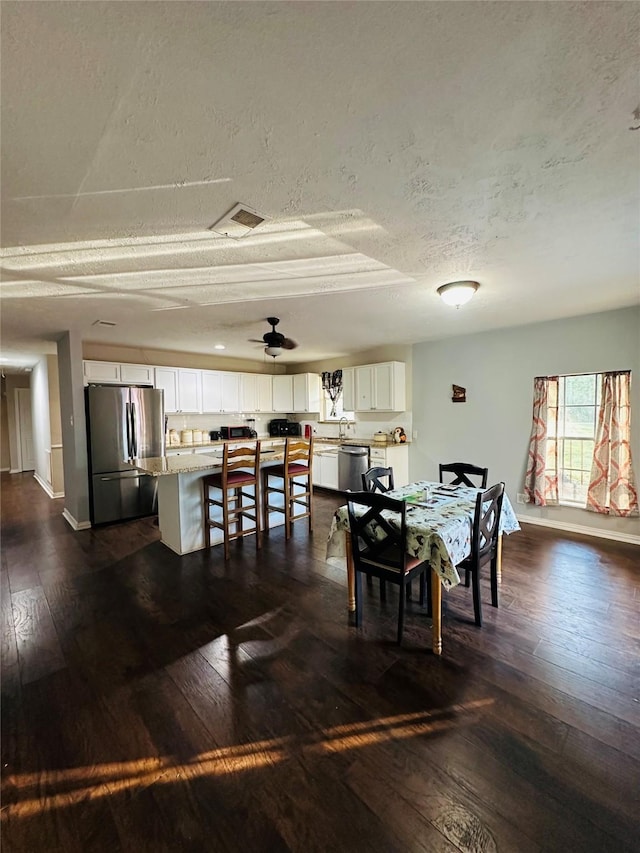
point(587, 373)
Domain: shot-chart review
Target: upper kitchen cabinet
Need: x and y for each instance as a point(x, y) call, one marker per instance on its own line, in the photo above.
point(264, 392)
point(306, 392)
point(110, 371)
point(380, 387)
point(248, 392)
point(349, 389)
point(182, 389)
point(282, 393)
point(101, 371)
point(231, 392)
point(211, 391)
point(137, 374)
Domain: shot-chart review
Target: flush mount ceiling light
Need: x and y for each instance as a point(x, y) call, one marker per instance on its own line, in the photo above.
point(219, 346)
point(458, 292)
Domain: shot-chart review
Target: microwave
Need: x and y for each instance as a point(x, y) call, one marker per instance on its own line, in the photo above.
point(236, 432)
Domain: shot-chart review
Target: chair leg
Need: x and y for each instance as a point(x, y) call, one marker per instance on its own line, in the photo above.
point(494, 581)
point(467, 577)
point(287, 507)
point(257, 512)
point(401, 599)
point(310, 503)
point(477, 602)
point(358, 592)
point(383, 590)
point(408, 592)
point(423, 584)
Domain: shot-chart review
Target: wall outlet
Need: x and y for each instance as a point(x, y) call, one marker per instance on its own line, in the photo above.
point(521, 498)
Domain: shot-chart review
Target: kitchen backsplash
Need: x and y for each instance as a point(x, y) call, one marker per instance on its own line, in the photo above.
point(210, 422)
point(365, 425)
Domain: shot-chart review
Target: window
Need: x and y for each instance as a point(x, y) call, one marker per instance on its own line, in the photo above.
point(325, 414)
point(578, 405)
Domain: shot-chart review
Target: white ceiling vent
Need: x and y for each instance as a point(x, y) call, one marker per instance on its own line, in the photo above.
point(238, 222)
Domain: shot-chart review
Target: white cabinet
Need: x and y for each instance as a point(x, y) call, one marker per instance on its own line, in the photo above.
point(230, 392)
point(136, 374)
point(380, 387)
point(394, 456)
point(112, 371)
point(306, 392)
point(325, 466)
point(282, 393)
point(349, 389)
point(265, 392)
point(248, 392)
point(101, 371)
point(211, 391)
point(182, 389)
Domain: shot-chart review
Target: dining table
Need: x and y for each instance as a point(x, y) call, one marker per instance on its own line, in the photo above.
point(439, 521)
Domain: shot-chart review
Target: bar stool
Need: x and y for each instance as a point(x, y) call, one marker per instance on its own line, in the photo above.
point(240, 469)
point(298, 459)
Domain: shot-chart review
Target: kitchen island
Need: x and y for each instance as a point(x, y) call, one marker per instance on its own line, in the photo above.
point(180, 504)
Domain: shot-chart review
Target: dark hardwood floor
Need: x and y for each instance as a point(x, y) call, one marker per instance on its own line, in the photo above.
point(158, 703)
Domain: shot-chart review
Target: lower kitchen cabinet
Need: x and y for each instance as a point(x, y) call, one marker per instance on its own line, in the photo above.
point(325, 467)
point(394, 456)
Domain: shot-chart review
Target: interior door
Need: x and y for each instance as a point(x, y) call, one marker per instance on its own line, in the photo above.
point(25, 429)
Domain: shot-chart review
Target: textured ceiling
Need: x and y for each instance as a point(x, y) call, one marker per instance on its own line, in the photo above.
point(393, 146)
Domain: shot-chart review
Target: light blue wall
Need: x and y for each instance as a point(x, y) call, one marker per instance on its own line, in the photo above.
point(497, 368)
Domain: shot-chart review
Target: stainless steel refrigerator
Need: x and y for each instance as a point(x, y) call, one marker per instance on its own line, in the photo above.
point(123, 422)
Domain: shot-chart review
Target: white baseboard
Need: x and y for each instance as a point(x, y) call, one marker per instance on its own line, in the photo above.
point(46, 487)
point(2, 470)
point(76, 525)
point(15, 470)
point(616, 535)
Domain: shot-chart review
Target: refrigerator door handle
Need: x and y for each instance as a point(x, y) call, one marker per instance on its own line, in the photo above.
point(127, 417)
point(134, 430)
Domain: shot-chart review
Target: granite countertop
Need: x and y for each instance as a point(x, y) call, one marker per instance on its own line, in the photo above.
point(358, 442)
point(185, 463)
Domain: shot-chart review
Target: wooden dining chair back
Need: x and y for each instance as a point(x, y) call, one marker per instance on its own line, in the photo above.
point(485, 535)
point(462, 473)
point(235, 497)
point(372, 480)
point(293, 481)
point(378, 534)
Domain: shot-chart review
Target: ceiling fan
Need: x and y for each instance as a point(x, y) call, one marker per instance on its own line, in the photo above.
point(273, 341)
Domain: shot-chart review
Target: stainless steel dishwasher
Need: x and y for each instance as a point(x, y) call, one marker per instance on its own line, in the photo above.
point(353, 461)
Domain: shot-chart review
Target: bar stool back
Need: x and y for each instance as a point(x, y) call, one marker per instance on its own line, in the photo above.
point(240, 470)
point(296, 488)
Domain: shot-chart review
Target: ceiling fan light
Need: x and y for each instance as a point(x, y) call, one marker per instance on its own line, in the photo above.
point(274, 351)
point(457, 292)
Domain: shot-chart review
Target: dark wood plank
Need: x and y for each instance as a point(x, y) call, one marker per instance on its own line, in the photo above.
point(158, 703)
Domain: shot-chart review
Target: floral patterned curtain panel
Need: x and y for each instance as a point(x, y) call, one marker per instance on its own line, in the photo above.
point(541, 479)
point(612, 489)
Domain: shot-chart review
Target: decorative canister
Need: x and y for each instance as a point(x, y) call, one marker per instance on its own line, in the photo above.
point(186, 436)
point(174, 437)
point(198, 436)
point(380, 437)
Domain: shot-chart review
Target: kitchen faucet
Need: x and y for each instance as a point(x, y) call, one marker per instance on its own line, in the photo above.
point(343, 423)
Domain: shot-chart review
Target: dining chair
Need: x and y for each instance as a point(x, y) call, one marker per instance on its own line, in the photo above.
point(372, 482)
point(484, 545)
point(379, 547)
point(462, 473)
point(240, 472)
point(296, 487)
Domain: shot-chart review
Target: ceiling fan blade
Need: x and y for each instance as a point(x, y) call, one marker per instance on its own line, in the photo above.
point(287, 343)
point(256, 341)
